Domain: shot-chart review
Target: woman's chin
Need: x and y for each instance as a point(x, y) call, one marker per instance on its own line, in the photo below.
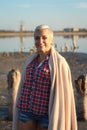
point(41, 50)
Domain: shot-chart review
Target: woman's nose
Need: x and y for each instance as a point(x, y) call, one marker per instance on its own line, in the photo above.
point(40, 39)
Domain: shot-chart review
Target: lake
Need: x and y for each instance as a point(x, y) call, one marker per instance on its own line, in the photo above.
point(72, 44)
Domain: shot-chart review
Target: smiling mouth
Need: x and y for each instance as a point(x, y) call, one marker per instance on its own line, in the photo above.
point(41, 46)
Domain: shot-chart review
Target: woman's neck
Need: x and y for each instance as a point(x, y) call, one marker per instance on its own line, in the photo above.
point(42, 56)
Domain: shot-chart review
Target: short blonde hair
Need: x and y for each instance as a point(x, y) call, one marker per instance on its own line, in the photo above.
point(43, 26)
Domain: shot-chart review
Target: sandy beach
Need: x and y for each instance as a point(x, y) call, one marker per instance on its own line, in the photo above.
point(76, 61)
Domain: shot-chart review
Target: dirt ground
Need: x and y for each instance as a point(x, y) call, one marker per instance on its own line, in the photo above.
point(76, 61)
point(7, 125)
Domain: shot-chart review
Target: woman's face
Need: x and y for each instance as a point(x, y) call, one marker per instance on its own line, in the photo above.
point(43, 40)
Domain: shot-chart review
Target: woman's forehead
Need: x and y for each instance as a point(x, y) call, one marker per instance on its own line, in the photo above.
point(42, 32)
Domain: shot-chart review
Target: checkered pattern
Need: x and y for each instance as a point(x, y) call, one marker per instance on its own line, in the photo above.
point(35, 92)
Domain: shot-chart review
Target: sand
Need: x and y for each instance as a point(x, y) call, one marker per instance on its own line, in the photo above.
point(76, 61)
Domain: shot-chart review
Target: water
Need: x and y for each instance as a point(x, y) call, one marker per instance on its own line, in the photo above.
point(14, 44)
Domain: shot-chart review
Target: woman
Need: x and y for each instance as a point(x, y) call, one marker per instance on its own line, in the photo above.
point(45, 99)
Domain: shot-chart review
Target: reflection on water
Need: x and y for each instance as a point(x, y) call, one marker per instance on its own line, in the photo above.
point(64, 44)
point(22, 44)
point(74, 41)
point(74, 46)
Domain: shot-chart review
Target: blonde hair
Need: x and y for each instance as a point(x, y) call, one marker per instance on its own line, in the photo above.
point(43, 26)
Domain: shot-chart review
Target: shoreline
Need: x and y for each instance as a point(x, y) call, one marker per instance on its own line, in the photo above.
point(31, 33)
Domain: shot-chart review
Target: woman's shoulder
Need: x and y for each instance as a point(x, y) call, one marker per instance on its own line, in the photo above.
point(30, 58)
point(62, 60)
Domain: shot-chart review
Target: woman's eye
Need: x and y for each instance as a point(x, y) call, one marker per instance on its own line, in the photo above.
point(44, 38)
point(37, 38)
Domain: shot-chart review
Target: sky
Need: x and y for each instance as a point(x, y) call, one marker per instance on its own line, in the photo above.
point(58, 14)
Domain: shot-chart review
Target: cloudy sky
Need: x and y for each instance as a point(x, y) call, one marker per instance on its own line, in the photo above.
point(58, 14)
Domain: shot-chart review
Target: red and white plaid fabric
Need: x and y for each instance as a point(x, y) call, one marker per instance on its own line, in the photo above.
point(36, 90)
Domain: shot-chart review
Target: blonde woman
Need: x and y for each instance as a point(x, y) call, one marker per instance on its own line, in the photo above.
point(45, 99)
